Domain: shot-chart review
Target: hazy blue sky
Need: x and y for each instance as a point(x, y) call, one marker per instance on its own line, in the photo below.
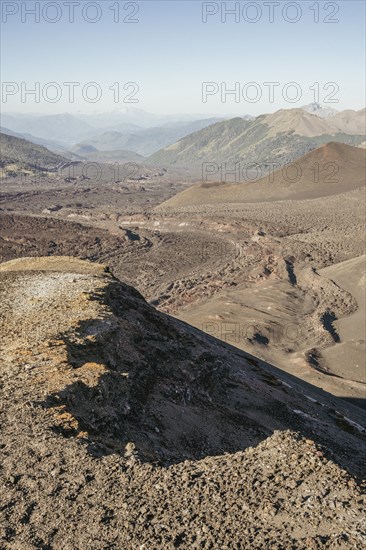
point(170, 52)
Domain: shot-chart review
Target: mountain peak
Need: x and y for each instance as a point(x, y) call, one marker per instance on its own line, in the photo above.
point(319, 110)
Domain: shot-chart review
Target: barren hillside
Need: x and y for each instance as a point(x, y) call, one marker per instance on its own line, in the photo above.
point(330, 169)
point(147, 431)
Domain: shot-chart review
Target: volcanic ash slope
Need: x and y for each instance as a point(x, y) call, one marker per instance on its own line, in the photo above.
point(124, 428)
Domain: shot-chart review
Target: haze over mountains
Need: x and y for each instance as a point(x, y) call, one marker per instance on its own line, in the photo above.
point(132, 129)
point(274, 138)
point(62, 127)
point(148, 140)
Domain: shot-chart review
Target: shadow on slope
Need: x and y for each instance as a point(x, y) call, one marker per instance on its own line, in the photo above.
point(150, 386)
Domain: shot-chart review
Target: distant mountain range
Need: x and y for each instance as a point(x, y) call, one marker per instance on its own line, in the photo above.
point(105, 131)
point(279, 137)
point(133, 118)
point(148, 140)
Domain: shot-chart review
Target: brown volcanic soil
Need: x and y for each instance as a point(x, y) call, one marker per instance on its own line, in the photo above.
point(241, 272)
point(90, 192)
point(40, 236)
point(124, 428)
point(331, 169)
point(350, 275)
point(86, 201)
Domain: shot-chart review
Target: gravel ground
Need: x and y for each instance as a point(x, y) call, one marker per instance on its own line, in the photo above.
point(125, 428)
